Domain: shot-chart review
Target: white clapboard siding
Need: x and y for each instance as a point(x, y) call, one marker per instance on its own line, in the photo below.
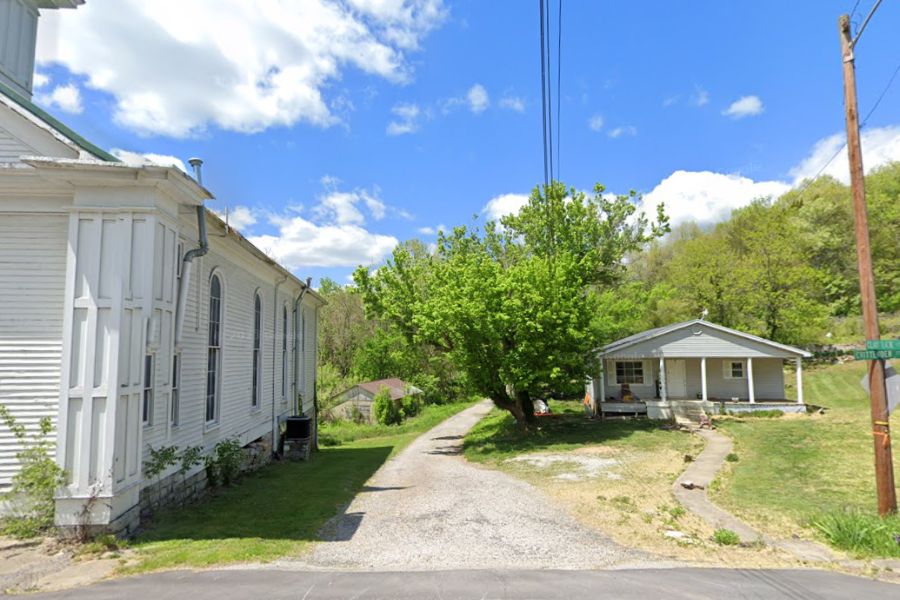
point(242, 276)
point(11, 148)
point(32, 280)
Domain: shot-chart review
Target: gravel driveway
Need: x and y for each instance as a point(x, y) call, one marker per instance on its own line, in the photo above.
point(428, 508)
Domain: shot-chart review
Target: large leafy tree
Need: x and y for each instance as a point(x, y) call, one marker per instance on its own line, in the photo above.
point(514, 305)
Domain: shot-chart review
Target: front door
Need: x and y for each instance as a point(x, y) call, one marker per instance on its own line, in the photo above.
point(676, 378)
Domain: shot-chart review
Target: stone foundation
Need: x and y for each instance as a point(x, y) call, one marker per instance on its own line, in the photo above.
point(178, 490)
point(297, 450)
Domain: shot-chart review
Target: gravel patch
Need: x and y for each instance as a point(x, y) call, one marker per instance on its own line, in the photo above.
point(576, 467)
point(429, 509)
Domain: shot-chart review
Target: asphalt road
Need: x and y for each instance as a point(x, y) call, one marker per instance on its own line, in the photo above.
point(637, 584)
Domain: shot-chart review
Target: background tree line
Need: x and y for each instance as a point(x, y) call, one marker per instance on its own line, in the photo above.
point(513, 309)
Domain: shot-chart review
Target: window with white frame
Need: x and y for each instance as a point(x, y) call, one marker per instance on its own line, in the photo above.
point(734, 369)
point(630, 371)
point(257, 351)
point(214, 349)
point(284, 352)
point(147, 398)
point(176, 383)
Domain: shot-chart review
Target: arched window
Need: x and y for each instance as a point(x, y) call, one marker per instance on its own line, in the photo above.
point(214, 349)
point(257, 347)
point(284, 352)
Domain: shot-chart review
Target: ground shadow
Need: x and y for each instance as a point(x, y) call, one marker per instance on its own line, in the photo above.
point(284, 501)
point(447, 437)
point(447, 450)
point(567, 426)
point(382, 488)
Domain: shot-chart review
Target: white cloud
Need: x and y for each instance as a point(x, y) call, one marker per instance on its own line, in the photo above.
point(505, 204)
point(879, 146)
point(477, 98)
point(707, 197)
point(700, 97)
point(65, 97)
point(629, 130)
point(239, 217)
point(342, 207)
point(40, 80)
point(175, 68)
point(513, 103)
point(426, 230)
point(301, 243)
point(137, 158)
point(596, 123)
point(408, 121)
point(746, 106)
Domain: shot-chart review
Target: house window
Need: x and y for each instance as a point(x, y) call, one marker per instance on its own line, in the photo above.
point(214, 349)
point(147, 400)
point(176, 382)
point(284, 352)
point(257, 356)
point(630, 371)
point(734, 369)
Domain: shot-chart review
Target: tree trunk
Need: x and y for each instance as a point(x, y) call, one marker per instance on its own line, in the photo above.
point(502, 400)
point(526, 405)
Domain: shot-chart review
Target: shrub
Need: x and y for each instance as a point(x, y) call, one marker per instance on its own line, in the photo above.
point(223, 465)
point(35, 485)
point(862, 534)
point(726, 537)
point(411, 406)
point(732, 457)
point(386, 410)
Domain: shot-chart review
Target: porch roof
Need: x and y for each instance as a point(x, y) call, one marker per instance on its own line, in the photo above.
point(702, 338)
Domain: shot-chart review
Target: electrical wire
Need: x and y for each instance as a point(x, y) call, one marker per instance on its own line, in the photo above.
point(864, 23)
point(544, 95)
point(549, 94)
point(558, 89)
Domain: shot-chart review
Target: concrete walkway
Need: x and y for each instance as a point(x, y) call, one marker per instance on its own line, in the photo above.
point(427, 508)
point(702, 471)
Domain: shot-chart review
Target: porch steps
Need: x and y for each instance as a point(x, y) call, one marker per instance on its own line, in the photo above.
point(687, 412)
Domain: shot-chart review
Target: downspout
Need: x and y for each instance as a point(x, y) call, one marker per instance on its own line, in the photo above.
point(275, 436)
point(189, 256)
point(297, 307)
point(274, 361)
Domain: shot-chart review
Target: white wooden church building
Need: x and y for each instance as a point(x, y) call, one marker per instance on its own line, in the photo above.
point(117, 319)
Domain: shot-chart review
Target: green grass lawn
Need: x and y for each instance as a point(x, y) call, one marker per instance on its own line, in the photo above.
point(793, 470)
point(279, 510)
point(496, 438)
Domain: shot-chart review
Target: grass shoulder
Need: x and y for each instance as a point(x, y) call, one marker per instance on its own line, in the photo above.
point(810, 475)
point(278, 511)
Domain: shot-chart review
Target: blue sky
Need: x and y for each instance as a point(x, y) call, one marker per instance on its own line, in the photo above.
point(366, 122)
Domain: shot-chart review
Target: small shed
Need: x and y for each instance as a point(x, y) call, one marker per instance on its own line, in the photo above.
point(692, 367)
point(362, 395)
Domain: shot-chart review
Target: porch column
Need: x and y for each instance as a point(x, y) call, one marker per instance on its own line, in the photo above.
point(663, 394)
point(799, 380)
point(750, 380)
point(703, 378)
point(602, 397)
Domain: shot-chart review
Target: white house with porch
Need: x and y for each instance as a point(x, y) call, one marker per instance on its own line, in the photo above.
point(696, 366)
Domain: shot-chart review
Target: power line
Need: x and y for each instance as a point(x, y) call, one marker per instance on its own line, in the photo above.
point(864, 23)
point(549, 94)
point(558, 89)
point(862, 126)
point(853, 10)
point(544, 95)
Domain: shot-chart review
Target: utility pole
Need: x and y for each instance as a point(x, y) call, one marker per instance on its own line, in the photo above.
point(881, 429)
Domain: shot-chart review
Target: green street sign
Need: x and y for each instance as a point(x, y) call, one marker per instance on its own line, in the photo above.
point(883, 345)
point(875, 354)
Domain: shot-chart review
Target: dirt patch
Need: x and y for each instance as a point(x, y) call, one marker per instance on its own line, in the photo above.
point(47, 564)
point(629, 498)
